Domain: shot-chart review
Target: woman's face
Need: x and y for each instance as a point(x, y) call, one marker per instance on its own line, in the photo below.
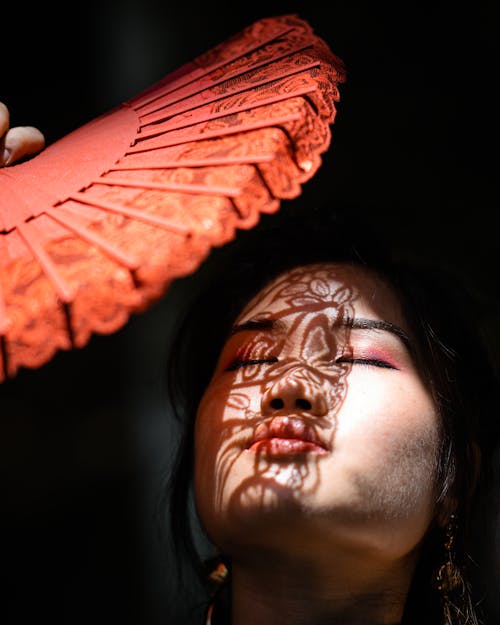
point(316, 421)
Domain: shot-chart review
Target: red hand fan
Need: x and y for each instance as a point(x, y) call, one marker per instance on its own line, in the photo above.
point(97, 226)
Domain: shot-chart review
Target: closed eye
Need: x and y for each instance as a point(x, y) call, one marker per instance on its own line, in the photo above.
point(237, 364)
point(368, 362)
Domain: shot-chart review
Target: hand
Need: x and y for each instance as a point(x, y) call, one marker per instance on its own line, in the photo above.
point(17, 143)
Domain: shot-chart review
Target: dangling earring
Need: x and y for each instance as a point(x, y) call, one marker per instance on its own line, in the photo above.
point(217, 578)
point(219, 574)
point(449, 579)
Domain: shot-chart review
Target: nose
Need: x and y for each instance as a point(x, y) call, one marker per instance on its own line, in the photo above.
point(295, 391)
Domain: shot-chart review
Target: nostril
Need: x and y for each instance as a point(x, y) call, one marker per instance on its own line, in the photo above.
point(303, 404)
point(276, 403)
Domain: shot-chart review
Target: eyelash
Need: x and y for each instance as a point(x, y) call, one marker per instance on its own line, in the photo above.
point(367, 362)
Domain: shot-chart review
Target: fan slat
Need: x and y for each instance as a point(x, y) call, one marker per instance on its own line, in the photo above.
point(165, 87)
point(30, 236)
point(121, 256)
point(166, 140)
point(148, 218)
point(167, 186)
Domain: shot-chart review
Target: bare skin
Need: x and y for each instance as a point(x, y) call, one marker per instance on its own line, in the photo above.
point(338, 589)
point(19, 142)
point(316, 449)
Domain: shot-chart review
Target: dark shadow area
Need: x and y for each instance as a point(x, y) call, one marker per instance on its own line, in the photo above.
point(86, 440)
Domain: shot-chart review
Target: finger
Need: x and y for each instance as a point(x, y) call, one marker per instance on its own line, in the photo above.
point(20, 142)
point(4, 119)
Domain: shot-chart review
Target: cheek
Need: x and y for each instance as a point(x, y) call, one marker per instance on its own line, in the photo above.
point(224, 424)
point(209, 432)
point(389, 431)
point(223, 412)
point(395, 401)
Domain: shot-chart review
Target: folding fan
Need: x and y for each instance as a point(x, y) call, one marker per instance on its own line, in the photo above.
point(96, 227)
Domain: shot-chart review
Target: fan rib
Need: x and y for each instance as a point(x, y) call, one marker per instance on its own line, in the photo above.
point(152, 220)
point(189, 78)
point(210, 115)
point(168, 186)
point(170, 103)
point(207, 162)
point(216, 97)
point(64, 291)
point(93, 238)
point(220, 132)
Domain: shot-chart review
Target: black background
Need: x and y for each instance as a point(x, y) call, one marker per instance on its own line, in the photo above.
point(84, 441)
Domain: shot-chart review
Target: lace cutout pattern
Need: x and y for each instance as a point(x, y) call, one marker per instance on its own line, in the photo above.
point(97, 226)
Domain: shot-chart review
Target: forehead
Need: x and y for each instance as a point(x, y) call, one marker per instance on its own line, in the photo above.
point(334, 288)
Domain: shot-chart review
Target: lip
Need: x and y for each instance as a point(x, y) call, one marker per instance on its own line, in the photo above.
point(285, 447)
point(286, 436)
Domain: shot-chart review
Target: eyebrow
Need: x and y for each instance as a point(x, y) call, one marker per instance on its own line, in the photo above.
point(356, 323)
point(258, 324)
point(361, 323)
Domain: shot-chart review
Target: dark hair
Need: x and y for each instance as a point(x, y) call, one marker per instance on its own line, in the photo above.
point(451, 354)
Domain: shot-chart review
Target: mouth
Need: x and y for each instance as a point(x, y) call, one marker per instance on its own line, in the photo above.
point(285, 447)
point(285, 437)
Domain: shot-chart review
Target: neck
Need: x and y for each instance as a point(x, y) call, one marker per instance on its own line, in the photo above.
point(339, 591)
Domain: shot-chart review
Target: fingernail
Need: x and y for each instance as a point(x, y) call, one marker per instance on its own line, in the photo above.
point(5, 156)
